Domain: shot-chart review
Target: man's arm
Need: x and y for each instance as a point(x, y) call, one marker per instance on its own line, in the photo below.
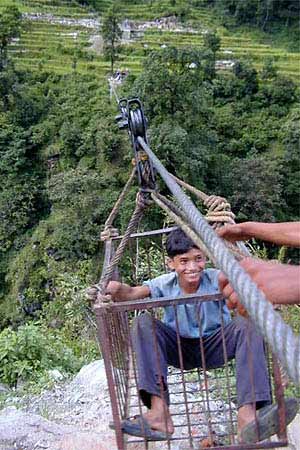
point(285, 233)
point(279, 282)
point(122, 292)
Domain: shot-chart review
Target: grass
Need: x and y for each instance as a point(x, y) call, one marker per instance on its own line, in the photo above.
point(54, 47)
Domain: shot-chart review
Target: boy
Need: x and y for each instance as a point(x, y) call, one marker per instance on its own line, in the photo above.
point(189, 276)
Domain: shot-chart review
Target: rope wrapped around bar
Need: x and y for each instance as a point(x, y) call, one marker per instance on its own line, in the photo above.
point(278, 334)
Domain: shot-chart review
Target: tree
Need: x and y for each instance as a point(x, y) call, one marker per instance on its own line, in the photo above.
point(175, 83)
point(269, 71)
point(212, 41)
point(111, 33)
point(255, 188)
point(10, 27)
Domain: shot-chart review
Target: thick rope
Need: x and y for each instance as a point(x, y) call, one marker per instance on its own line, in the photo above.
point(277, 333)
point(141, 204)
point(118, 203)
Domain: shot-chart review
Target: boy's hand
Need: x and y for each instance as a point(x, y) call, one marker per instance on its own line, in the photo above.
point(113, 289)
point(94, 296)
point(232, 299)
point(258, 270)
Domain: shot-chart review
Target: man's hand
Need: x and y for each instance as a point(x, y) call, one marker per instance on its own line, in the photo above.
point(279, 282)
point(233, 233)
point(283, 233)
point(113, 289)
point(260, 273)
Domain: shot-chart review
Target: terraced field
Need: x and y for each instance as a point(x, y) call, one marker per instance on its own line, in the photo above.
point(59, 34)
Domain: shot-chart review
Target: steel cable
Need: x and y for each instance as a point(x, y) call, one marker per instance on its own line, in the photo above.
point(278, 334)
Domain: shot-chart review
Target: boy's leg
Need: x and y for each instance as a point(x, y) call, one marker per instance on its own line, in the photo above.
point(246, 345)
point(153, 343)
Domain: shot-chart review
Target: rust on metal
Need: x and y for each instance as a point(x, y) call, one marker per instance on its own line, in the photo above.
point(203, 401)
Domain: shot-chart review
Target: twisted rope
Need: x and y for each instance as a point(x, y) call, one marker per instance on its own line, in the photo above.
point(118, 203)
point(141, 204)
point(277, 333)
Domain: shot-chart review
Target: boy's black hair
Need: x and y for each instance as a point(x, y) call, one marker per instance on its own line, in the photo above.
point(178, 243)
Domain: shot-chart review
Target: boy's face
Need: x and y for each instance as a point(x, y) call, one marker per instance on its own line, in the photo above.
point(189, 267)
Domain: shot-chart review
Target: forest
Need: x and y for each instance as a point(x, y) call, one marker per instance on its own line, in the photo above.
point(64, 161)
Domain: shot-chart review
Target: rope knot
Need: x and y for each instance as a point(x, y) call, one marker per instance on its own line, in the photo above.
point(109, 232)
point(96, 296)
point(143, 199)
point(219, 211)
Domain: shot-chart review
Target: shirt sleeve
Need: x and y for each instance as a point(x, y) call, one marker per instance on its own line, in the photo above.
point(155, 287)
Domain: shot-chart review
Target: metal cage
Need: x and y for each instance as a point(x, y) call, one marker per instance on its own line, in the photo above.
point(202, 400)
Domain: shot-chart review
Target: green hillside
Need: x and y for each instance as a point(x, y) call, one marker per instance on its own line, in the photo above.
point(59, 47)
point(64, 161)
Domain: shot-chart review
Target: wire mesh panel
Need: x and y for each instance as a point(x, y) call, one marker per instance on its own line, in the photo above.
point(198, 377)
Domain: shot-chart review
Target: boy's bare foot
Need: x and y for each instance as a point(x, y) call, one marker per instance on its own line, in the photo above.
point(246, 414)
point(160, 422)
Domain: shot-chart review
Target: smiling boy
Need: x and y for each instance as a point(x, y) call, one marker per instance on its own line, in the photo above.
point(189, 276)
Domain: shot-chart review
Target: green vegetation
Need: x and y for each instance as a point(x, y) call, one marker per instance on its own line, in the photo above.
point(111, 33)
point(29, 352)
point(64, 161)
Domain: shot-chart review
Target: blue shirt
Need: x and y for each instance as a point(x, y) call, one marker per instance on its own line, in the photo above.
point(188, 315)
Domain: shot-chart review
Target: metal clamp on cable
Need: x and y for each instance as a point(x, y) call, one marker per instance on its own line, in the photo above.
point(137, 124)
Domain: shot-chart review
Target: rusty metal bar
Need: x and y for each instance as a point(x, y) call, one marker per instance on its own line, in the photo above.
point(232, 438)
point(182, 376)
point(147, 233)
point(203, 365)
point(279, 394)
point(258, 446)
point(161, 386)
point(163, 301)
point(103, 333)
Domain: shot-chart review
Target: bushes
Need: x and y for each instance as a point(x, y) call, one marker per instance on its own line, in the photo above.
point(29, 352)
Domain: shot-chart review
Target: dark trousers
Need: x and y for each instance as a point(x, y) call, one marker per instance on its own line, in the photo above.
point(243, 342)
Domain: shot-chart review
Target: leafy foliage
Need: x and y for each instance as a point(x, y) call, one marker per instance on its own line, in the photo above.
point(261, 13)
point(31, 351)
point(10, 26)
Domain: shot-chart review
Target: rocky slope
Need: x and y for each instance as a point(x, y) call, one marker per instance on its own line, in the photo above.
point(74, 416)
